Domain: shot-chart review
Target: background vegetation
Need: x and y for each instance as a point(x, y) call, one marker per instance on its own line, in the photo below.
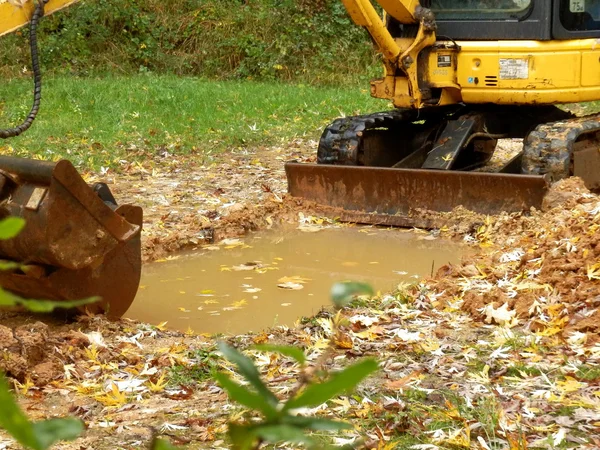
point(311, 41)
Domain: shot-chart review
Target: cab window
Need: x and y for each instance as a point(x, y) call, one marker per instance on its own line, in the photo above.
point(580, 15)
point(480, 9)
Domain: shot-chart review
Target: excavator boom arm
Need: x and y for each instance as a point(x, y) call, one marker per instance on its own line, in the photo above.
point(364, 14)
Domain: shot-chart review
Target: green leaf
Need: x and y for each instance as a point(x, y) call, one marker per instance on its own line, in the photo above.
point(50, 305)
point(347, 379)
point(160, 444)
point(283, 433)
point(43, 306)
point(9, 265)
point(50, 431)
point(248, 370)
point(342, 293)
point(317, 423)
point(245, 397)
point(286, 350)
point(14, 421)
point(10, 227)
point(242, 437)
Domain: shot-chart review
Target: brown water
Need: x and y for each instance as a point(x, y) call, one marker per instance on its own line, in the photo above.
point(233, 287)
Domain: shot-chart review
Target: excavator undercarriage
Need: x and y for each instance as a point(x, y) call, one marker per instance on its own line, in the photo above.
point(387, 166)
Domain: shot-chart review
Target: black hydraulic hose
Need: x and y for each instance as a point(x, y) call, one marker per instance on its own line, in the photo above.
point(37, 75)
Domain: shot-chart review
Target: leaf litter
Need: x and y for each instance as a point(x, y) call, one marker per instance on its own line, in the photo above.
point(500, 351)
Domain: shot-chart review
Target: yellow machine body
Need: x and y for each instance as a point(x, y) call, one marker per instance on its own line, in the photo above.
point(461, 75)
point(505, 72)
point(477, 71)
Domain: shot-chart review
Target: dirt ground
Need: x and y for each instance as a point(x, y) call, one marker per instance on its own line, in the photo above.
point(501, 351)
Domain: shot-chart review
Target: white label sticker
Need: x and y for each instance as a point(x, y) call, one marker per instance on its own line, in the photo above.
point(577, 6)
point(514, 69)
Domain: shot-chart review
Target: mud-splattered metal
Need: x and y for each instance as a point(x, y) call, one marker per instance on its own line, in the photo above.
point(74, 244)
point(392, 196)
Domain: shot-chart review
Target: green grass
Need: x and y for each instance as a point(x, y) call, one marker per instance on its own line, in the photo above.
point(98, 121)
point(588, 372)
point(521, 370)
point(204, 362)
point(583, 108)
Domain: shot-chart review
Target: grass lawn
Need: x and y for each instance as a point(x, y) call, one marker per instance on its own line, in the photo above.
point(98, 121)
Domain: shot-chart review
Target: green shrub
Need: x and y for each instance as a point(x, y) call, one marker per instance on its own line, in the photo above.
point(307, 40)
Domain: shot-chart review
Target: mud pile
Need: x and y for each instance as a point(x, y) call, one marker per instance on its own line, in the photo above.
point(32, 351)
point(544, 267)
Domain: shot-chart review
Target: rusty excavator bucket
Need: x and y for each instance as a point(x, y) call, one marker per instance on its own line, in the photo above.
point(77, 242)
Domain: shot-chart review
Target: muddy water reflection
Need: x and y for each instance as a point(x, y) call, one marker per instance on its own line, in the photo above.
point(234, 288)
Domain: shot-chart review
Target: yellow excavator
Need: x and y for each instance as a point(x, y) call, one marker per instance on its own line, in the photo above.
point(77, 242)
point(462, 74)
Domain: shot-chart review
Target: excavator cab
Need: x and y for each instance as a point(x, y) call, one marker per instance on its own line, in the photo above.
point(463, 74)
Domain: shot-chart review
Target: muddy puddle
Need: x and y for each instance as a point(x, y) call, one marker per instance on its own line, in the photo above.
point(276, 278)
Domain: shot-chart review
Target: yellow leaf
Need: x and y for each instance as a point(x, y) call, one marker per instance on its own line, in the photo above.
point(92, 353)
point(593, 272)
point(350, 264)
point(159, 386)
point(112, 398)
point(293, 279)
point(342, 340)
point(23, 388)
point(261, 338)
point(239, 303)
point(570, 384)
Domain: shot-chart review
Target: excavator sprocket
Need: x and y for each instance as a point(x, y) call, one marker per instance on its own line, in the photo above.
point(77, 242)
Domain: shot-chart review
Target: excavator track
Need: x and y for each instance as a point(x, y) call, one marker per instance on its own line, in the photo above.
point(343, 141)
point(564, 148)
point(340, 142)
point(382, 167)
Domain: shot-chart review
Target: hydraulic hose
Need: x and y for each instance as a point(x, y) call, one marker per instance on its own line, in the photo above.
point(37, 75)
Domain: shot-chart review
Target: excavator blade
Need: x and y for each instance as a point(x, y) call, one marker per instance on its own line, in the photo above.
point(390, 196)
point(76, 243)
